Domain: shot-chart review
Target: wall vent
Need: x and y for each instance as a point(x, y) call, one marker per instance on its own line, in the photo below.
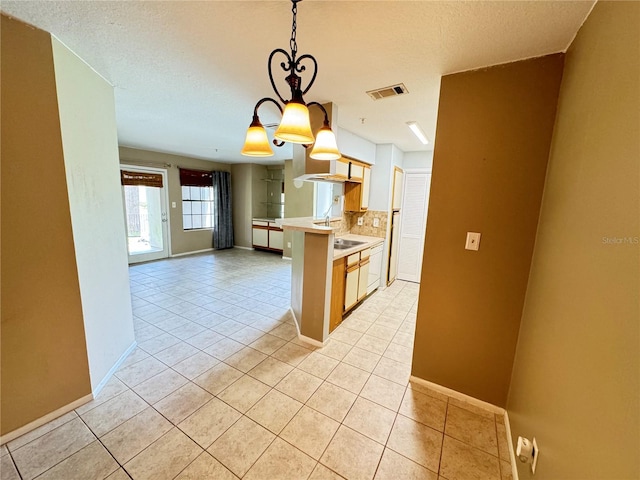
point(392, 91)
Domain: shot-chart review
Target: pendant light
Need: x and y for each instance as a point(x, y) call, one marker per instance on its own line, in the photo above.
point(295, 126)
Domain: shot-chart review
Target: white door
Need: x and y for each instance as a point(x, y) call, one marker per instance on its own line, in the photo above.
point(146, 218)
point(415, 201)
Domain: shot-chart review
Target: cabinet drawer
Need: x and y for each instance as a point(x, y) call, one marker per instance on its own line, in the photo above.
point(353, 259)
point(261, 223)
point(364, 254)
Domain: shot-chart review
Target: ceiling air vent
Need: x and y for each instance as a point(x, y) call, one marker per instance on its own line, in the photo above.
point(392, 91)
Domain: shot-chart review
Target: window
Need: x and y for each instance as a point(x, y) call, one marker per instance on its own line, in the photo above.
point(197, 199)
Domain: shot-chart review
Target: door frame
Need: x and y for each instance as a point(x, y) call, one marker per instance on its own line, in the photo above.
point(165, 200)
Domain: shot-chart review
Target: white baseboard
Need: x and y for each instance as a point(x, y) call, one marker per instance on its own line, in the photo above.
point(45, 419)
point(113, 369)
point(512, 454)
point(243, 248)
point(191, 253)
point(304, 338)
point(459, 396)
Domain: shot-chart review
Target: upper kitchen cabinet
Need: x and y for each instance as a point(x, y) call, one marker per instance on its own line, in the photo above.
point(398, 182)
point(357, 187)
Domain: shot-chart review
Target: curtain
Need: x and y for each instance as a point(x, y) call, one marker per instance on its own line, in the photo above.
point(222, 219)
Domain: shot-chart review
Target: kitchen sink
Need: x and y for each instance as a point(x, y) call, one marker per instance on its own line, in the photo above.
point(342, 244)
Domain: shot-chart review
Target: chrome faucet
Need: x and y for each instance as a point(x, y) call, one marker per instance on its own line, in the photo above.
point(327, 221)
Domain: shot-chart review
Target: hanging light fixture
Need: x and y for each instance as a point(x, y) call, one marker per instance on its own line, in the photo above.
point(295, 126)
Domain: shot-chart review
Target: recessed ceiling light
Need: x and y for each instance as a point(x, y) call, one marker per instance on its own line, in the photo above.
point(418, 132)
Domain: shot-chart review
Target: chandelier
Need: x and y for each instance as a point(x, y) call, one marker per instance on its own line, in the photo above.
point(295, 126)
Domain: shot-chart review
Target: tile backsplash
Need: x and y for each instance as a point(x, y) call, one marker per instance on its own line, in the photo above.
point(367, 227)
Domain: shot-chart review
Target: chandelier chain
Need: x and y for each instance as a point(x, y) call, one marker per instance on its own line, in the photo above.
point(292, 43)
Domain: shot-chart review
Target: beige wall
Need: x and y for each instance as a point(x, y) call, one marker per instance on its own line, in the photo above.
point(90, 145)
point(493, 136)
point(249, 195)
point(575, 384)
point(241, 187)
point(181, 241)
point(44, 357)
point(298, 202)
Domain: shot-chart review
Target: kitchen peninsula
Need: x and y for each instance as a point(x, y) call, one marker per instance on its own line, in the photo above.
point(317, 290)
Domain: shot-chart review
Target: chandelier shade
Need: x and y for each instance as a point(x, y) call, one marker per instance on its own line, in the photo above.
point(326, 147)
point(256, 143)
point(295, 126)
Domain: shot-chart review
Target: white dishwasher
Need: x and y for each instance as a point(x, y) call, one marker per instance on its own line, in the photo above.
point(375, 266)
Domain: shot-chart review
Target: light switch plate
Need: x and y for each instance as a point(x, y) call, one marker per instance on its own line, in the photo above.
point(473, 241)
point(376, 222)
point(173, 204)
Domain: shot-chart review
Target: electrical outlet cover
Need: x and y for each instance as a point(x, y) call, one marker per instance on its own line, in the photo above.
point(360, 221)
point(534, 456)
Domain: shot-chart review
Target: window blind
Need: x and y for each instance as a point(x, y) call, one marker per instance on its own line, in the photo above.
point(141, 178)
point(195, 178)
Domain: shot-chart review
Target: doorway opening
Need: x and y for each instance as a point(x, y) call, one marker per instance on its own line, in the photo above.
point(146, 219)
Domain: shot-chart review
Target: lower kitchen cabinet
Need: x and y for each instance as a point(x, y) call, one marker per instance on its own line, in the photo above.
point(267, 236)
point(350, 281)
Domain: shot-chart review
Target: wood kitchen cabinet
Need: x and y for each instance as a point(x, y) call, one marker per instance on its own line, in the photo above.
point(337, 293)
point(356, 193)
point(349, 284)
point(356, 278)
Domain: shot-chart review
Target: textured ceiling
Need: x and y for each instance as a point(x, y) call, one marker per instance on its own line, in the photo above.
point(187, 74)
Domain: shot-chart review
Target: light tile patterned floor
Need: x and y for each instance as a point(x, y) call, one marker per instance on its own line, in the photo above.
point(221, 388)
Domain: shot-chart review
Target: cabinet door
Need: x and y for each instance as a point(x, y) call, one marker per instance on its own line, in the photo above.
point(363, 279)
point(351, 287)
point(276, 239)
point(260, 237)
point(352, 196)
point(342, 168)
point(366, 186)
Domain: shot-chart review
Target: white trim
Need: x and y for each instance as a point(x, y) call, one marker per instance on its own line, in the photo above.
point(192, 253)
point(304, 338)
point(459, 396)
point(243, 248)
point(512, 454)
point(312, 341)
point(286, 258)
point(113, 369)
point(45, 419)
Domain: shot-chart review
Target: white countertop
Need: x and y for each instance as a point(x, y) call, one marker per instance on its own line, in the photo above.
point(306, 224)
